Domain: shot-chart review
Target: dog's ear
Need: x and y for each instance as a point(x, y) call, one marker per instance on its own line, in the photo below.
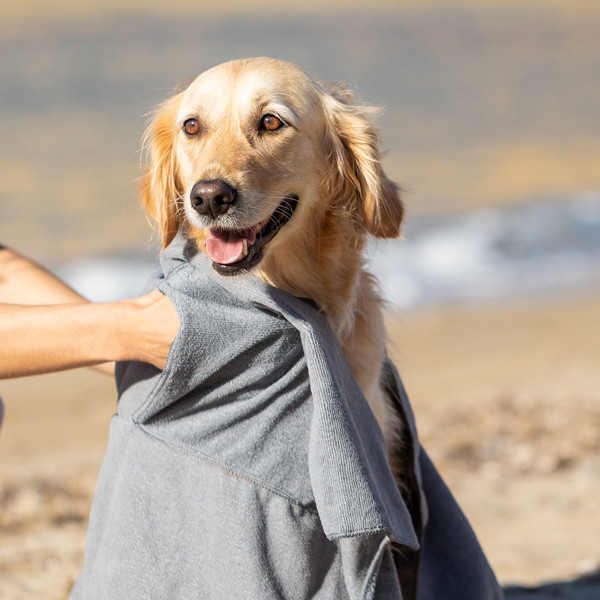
point(356, 173)
point(160, 189)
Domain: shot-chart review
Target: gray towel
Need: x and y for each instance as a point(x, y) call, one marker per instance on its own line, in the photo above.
point(252, 466)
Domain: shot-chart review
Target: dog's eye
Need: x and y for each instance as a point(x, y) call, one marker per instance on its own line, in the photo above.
point(271, 123)
point(191, 127)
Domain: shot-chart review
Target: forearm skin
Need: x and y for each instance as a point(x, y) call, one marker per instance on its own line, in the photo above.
point(42, 339)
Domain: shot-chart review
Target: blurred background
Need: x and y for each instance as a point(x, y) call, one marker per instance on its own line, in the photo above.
point(491, 123)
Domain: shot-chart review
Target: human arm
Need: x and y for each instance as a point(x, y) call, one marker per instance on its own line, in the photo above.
point(46, 326)
point(22, 281)
point(42, 339)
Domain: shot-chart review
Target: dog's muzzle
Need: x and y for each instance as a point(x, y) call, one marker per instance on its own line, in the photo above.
point(237, 251)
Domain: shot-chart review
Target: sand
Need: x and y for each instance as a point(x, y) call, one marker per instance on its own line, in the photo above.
point(507, 402)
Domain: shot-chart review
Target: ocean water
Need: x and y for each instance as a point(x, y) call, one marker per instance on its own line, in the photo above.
point(484, 255)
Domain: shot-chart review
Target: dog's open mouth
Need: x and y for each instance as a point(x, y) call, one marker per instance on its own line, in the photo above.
point(235, 251)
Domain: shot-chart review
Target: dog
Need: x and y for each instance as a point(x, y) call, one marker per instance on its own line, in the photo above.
point(274, 174)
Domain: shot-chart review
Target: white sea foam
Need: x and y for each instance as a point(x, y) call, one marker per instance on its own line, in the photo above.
point(540, 248)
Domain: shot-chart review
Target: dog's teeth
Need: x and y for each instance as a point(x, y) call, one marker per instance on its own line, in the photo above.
point(245, 251)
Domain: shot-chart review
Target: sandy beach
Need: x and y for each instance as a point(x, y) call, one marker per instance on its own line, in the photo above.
point(507, 404)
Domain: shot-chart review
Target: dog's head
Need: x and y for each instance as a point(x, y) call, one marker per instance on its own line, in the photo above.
point(254, 153)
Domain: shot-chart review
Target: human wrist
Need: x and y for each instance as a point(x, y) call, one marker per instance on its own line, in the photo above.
point(123, 341)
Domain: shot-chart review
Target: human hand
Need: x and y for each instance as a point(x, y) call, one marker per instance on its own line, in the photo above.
point(153, 328)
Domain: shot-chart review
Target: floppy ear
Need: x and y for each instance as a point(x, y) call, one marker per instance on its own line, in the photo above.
point(160, 189)
point(352, 144)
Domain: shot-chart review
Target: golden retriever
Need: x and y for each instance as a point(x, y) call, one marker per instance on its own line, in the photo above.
point(276, 174)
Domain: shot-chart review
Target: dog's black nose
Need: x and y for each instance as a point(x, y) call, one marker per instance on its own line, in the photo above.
point(212, 198)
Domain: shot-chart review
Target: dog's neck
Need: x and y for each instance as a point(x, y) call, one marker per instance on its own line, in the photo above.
point(328, 268)
point(325, 267)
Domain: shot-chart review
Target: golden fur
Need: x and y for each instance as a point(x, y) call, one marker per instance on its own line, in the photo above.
point(327, 155)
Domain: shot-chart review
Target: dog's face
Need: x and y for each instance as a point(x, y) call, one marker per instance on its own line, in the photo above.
point(247, 158)
point(253, 154)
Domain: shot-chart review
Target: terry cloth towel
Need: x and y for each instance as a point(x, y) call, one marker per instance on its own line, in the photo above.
point(252, 466)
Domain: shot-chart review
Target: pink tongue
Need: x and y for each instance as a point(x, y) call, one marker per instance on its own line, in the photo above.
point(226, 247)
